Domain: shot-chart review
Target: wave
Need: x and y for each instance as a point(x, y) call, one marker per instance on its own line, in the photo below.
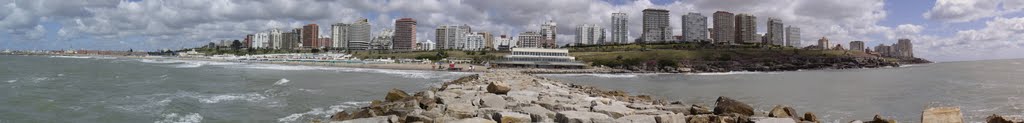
point(251, 97)
point(76, 57)
point(12, 81)
point(403, 73)
point(159, 61)
point(175, 118)
point(625, 75)
point(281, 82)
point(103, 57)
point(321, 112)
point(188, 65)
point(731, 73)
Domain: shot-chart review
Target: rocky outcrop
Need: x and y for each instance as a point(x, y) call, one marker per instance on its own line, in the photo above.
point(726, 105)
point(1004, 119)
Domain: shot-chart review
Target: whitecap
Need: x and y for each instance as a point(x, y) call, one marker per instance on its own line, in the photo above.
point(188, 65)
point(625, 75)
point(60, 74)
point(175, 118)
point(281, 82)
point(403, 73)
point(12, 81)
point(731, 73)
point(321, 112)
point(76, 57)
point(251, 97)
point(159, 61)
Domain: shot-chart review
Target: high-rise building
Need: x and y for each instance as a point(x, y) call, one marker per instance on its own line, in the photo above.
point(383, 40)
point(746, 27)
point(793, 36)
point(589, 34)
point(292, 39)
point(261, 40)
point(656, 26)
point(905, 48)
point(695, 27)
point(883, 50)
point(325, 41)
point(451, 37)
point(504, 43)
point(620, 28)
point(275, 38)
point(338, 37)
point(488, 40)
point(549, 33)
point(310, 34)
point(823, 43)
point(474, 42)
point(358, 36)
point(248, 40)
point(529, 39)
point(724, 30)
point(405, 34)
point(775, 34)
point(857, 46)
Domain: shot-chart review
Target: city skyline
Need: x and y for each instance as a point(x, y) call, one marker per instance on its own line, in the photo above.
point(938, 30)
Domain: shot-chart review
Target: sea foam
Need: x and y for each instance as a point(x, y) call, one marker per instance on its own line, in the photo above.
point(321, 112)
point(731, 73)
point(186, 118)
point(281, 82)
point(76, 57)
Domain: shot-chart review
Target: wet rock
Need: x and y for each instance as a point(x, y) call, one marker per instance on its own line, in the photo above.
point(880, 119)
point(636, 119)
point(473, 120)
point(1004, 119)
point(725, 105)
point(942, 115)
point(581, 117)
point(700, 109)
point(775, 120)
point(810, 117)
point(615, 111)
point(512, 117)
point(396, 95)
point(492, 101)
point(377, 119)
point(364, 113)
point(341, 115)
point(498, 87)
point(781, 111)
point(670, 118)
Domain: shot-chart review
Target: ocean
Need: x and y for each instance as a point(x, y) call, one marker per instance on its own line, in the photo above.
point(104, 89)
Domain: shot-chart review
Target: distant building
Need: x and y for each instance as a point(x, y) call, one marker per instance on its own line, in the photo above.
point(884, 51)
point(759, 37)
point(529, 40)
point(383, 40)
point(358, 36)
point(426, 45)
point(474, 42)
point(451, 37)
point(275, 38)
point(724, 30)
point(775, 32)
point(261, 40)
point(656, 27)
point(539, 58)
point(310, 34)
point(247, 42)
point(695, 27)
point(325, 42)
point(620, 28)
point(793, 36)
point(488, 40)
point(746, 27)
point(857, 46)
point(549, 33)
point(504, 43)
point(405, 34)
point(338, 35)
point(905, 48)
point(823, 43)
point(589, 34)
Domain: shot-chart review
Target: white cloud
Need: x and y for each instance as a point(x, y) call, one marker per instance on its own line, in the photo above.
point(997, 39)
point(956, 11)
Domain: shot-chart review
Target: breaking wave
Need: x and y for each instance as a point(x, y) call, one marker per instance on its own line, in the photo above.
point(321, 112)
point(183, 118)
point(282, 81)
point(731, 73)
point(76, 57)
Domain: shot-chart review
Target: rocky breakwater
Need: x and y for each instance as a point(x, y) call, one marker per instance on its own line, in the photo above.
point(514, 97)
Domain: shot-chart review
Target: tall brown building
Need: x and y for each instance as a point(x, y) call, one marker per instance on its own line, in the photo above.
point(405, 34)
point(724, 30)
point(746, 28)
point(310, 36)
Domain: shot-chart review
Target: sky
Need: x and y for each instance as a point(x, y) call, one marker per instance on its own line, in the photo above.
point(940, 30)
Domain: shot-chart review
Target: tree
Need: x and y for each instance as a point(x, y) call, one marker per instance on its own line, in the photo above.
point(235, 45)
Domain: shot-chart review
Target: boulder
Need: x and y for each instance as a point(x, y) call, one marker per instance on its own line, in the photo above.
point(492, 101)
point(396, 95)
point(418, 118)
point(473, 120)
point(377, 119)
point(725, 105)
point(676, 108)
point(701, 119)
point(781, 111)
point(942, 115)
point(636, 119)
point(700, 109)
point(810, 117)
point(615, 111)
point(581, 117)
point(670, 118)
point(511, 117)
point(341, 115)
point(536, 112)
point(460, 110)
point(1005, 119)
point(880, 119)
point(775, 120)
point(498, 87)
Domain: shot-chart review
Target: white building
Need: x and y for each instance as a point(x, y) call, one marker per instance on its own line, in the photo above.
point(539, 58)
point(528, 39)
point(589, 34)
point(451, 37)
point(474, 41)
point(504, 43)
point(427, 45)
point(695, 27)
point(275, 39)
point(358, 35)
point(620, 28)
point(775, 32)
point(383, 40)
point(338, 32)
point(261, 40)
point(793, 36)
point(548, 33)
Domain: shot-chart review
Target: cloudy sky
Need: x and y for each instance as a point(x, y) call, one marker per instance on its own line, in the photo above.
point(942, 30)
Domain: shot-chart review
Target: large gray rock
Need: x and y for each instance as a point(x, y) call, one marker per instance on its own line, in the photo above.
point(519, 97)
point(725, 105)
point(700, 109)
point(498, 87)
point(377, 119)
point(670, 118)
point(473, 120)
point(492, 101)
point(702, 119)
point(581, 117)
point(781, 111)
point(636, 119)
point(396, 95)
point(460, 110)
point(615, 111)
point(942, 115)
point(511, 117)
point(775, 120)
point(536, 112)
